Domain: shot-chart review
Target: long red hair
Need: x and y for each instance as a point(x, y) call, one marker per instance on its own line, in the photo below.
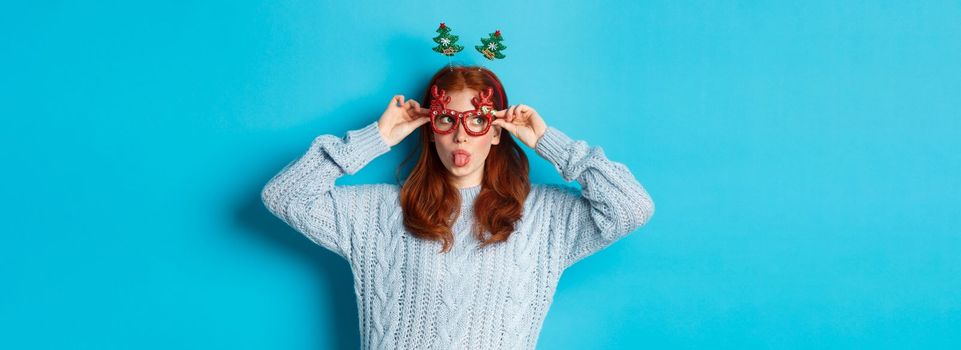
point(431, 203)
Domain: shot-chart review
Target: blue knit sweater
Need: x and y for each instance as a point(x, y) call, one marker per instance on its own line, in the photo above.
point(410, 296)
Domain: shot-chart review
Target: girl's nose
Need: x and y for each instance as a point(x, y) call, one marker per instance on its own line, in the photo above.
point(460, 134)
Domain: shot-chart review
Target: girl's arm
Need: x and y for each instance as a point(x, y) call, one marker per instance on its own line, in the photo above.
point(303, 194)
point(611, 202)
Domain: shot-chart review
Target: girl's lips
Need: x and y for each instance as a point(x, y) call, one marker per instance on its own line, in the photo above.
point(460, 157)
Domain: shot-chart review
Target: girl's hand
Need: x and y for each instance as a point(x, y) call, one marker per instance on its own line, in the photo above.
point(523, 122)
point(400, 119)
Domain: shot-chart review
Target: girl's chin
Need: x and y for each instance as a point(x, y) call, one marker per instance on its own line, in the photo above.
point(458, 170)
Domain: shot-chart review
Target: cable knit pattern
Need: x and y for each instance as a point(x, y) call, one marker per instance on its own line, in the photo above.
point(410, 296)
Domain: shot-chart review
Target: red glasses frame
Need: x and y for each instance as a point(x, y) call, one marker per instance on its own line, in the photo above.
point(483, 106)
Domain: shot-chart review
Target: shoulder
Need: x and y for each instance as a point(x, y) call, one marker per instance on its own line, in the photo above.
point(374, 200)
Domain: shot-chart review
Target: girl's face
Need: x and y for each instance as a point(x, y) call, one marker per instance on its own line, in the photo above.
point(463, 155)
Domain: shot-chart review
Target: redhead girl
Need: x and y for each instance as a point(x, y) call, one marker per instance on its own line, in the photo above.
point(466, 253)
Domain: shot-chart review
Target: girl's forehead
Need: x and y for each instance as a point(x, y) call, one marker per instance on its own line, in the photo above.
point(461, 98)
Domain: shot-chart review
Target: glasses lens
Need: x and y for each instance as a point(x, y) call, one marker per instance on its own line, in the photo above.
point(444, 122)
point(477, 123)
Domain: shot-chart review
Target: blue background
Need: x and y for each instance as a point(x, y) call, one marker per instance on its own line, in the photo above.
point(804, 159)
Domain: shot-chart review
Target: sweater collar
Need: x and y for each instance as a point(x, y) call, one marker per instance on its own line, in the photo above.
point(468, 194)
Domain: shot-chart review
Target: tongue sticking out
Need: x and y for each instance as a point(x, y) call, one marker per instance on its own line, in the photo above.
point(461, 159)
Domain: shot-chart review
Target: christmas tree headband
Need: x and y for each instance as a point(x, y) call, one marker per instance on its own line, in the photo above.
point(490, 47)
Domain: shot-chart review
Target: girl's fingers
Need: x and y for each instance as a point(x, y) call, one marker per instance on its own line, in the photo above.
point(414, 124)
point(526, 114)
point(529, 114)
point(516, 113)
point(396, 100)
point(506, 125)
point(420, 111)
point(524, 109)
point(419, 114)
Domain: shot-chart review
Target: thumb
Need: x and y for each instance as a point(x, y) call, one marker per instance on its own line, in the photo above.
point(422, 120)
point(502, 123)
point(414, 124)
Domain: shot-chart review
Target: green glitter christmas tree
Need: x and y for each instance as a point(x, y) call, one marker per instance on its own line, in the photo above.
point(491, 46)
point(446, 42)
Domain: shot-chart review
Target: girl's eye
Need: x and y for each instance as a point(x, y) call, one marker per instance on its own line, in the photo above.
point(478, 120)
point(446, 119)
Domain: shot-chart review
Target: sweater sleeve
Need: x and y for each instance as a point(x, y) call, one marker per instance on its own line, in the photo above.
point(303, 194)
point(611, 203)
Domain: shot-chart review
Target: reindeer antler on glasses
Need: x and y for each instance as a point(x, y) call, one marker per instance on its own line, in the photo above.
point(439, 100)
point(484, 99)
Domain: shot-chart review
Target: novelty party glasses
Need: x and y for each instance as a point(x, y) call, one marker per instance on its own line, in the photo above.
point(476, 122)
